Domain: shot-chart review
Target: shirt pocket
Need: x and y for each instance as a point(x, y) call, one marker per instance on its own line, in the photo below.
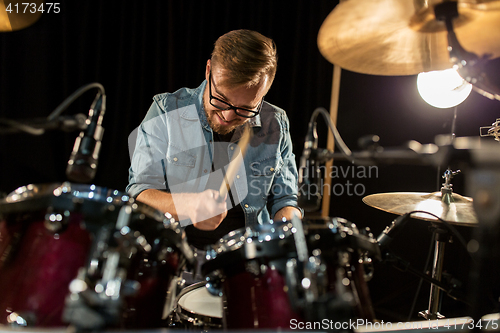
point(180, 166)
point(263, 173)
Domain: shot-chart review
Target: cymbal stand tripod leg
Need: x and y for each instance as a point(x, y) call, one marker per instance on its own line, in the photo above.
point(441, 239)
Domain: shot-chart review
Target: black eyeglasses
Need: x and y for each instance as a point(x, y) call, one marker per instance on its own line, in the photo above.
point(224, 106)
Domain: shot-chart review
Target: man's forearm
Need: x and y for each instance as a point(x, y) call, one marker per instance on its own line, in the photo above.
point(160, 200)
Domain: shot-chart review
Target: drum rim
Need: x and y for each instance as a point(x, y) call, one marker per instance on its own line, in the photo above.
point(45, 194)
point(34, 191)
point(237, 239)
point(88, 199)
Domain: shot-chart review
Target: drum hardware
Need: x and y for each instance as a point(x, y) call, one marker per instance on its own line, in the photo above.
point(442, 237)
point(493, 130)
point(98, 304)
point(176, 286)
point(469, 65)
point(214, 283)
point(307, 264)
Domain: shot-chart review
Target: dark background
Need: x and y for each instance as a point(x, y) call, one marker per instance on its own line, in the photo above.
point(137, 49)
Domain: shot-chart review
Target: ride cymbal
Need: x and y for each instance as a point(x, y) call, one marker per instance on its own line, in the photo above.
point(458, 212)
point(403, 37)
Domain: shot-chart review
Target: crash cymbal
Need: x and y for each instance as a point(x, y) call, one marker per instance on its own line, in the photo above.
point(402, 37)
point(459, 212)
point(20, 14)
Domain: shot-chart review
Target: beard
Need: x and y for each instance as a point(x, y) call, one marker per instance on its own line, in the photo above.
point(218, 128)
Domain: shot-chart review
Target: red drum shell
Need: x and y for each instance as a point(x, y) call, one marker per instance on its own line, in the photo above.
point(36, 267)
point(257, 301)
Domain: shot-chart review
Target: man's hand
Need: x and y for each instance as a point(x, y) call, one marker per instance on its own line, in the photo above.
point(204, 209)
point(287, 212)
point(209, 210)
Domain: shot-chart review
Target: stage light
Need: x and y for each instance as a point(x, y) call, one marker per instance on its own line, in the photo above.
point(443, 89)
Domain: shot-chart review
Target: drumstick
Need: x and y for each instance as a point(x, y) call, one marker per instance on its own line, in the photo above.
point(235, 163)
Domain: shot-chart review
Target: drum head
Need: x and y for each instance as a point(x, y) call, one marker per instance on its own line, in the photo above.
point(197, 300)
point(196, 306)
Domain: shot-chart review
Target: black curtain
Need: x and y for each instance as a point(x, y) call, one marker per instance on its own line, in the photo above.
point(137, 49)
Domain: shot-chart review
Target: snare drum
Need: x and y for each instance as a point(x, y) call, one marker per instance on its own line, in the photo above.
point(197, 308)
point(89, 252)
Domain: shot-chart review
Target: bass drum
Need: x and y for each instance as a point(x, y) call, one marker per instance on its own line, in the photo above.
point(86, 256)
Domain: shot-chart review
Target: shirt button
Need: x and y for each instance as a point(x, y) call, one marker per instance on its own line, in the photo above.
point(246, 205)
point(272, 169)
point(232, 148)
point(238, 176)
point(175, 159)
point(205, 171)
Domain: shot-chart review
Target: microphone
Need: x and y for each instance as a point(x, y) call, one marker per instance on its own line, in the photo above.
point(309, 194)
point(386, 237)
point(82, 164)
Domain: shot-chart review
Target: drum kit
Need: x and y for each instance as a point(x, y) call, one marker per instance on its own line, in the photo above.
point(89, 257)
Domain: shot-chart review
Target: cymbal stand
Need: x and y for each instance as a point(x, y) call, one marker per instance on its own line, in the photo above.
point(441, 238)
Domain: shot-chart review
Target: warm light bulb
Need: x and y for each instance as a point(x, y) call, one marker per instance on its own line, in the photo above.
point(443, 89)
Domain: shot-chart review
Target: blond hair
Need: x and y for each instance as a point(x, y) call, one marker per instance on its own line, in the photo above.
point(247, 56)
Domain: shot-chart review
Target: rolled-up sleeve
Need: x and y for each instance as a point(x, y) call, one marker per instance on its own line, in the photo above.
point(147, 152)
point(285, 184)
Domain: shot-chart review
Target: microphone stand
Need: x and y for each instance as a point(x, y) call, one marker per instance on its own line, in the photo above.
point(39, 126)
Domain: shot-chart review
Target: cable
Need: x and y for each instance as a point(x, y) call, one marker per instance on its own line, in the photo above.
point(448, 225)
point(338, 139)
point(70, 99)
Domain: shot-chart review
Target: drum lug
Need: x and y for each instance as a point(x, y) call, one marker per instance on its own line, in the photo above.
point(214, 284)
point(21, 319)
point(130, 288)
point(56, 221)
point(292, 284)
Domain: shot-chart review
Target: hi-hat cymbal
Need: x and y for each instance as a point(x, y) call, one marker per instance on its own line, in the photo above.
point(459, 212)
point(17, 15)
point(402, 37)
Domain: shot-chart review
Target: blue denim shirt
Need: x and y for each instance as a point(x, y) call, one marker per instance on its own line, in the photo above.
point(172, 150)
